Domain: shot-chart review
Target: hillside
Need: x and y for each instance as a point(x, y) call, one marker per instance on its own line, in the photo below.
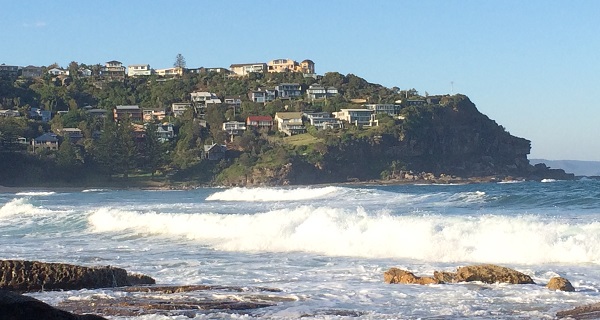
point(406, 137)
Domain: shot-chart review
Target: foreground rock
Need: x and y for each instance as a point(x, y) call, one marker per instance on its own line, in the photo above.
point(25, 276)
point(561, 284)
point(486, 273)
point(590, 311)
point(489, 273)
point(395, 275)
point(19, 307)
point(188, 301)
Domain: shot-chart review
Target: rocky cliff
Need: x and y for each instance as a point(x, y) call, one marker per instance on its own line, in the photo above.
point(438, 142)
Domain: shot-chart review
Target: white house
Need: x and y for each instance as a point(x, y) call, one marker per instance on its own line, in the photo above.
point(179, 108)
point(135, 70)
point(290, 123)
point(243, 69)
point(357, 117)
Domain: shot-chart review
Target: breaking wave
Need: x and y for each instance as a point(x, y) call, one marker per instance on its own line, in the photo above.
point(274, 194)
point(331, 231)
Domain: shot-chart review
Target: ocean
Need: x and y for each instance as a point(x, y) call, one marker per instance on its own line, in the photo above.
point(324, 247)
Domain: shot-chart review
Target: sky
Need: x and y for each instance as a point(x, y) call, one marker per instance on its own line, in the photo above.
point(532, 66)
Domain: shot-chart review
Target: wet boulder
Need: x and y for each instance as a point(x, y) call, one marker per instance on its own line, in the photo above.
point(17, 306)
point(25, 276)
point(395, 275)
point(560, 284)
point(489, 273)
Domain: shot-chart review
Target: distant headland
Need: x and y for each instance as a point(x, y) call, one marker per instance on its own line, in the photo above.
point(273, 123)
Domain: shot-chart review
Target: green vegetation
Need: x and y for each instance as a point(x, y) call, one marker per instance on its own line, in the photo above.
point(446, 137)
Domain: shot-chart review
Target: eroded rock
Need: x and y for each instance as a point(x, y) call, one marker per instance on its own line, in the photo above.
point(395, 275)
point(25, 276)
point(489, 273)
point(561, 284)
point(20, 307)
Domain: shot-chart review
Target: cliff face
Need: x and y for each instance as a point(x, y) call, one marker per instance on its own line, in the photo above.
point(455, 138)
point(449, 139)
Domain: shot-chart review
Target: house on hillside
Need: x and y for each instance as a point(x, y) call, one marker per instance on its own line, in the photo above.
point(39, 114)
point(74, 135)
point(244, 69)
point(389, 109)
point(317, 92)
point(133, 112)
point(169, 72)
point(307, 67)
point(323, 120)
point(150, 115)
point(289, 90)
point(136, 70)
point(214, 152)
point(290, 123)
point(203, 99)
point(234, 128)
point(179, 108)
point(9, 71)
point(262, 95)
point(113, 70)
point(282, 65)
point(9, 113)
point(47, 141)
point(357, 117)
point(31, 72)
point(58, 72)
point(165, 132)
point(259, 122)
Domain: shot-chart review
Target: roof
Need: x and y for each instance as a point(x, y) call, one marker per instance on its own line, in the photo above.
point(127, 107)
point(260, 118)
point(47, 137)
point(307, 61)
point(246, 64)
point(289, 115)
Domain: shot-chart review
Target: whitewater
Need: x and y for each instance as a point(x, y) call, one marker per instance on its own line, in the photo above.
point(325, 247)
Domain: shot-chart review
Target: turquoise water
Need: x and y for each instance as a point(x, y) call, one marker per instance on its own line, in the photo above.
point(327, 247)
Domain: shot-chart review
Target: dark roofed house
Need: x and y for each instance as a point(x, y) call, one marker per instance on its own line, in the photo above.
point(47, 141)
point(214, 152)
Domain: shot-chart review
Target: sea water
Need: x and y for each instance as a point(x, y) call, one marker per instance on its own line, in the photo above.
point(326, 247)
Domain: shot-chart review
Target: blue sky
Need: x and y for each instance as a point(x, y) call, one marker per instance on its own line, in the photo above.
point(533, 66)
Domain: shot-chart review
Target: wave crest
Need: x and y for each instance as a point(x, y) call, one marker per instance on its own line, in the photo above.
point(344, 232)
point(273, 194)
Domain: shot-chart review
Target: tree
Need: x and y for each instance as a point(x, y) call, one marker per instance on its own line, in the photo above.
point(151, 150)
point(179, 61)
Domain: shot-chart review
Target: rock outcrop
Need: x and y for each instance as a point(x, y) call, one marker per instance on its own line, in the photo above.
point(19, 307)
point(590, 311)
point(395, 275)
point(489, 273)
point(486, 273)
point(561, 284)
point(24, 276)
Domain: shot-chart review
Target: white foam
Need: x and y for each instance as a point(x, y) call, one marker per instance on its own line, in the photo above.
point(355, 232)
point(548, 180)
point(20, 207)
point(95, 190)
point(274, 194)
point(36, 193)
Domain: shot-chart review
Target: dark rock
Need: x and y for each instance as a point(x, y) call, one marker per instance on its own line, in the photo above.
point(18, 307)
point(135, 279)
point(489, 273)
point(560, 283)
point(395, 275)
point(24, 276)
point(173, 301)
point(590, 311)
point(445, 277)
